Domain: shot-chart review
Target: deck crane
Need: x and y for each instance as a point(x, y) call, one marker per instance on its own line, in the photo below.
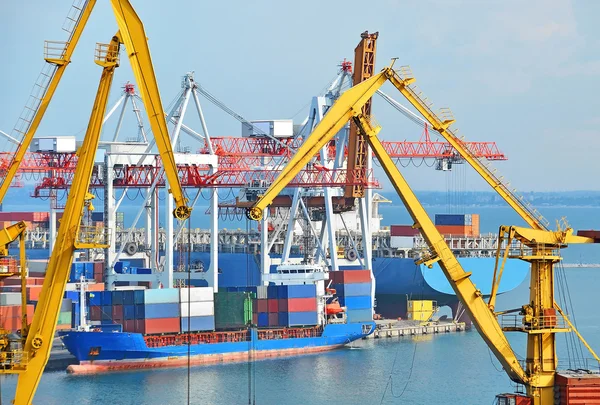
point(29, 362)
point(539, 316)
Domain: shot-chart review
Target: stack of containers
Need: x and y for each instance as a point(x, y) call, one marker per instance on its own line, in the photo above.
point(402, 236)
point(157, 311)
point(353, 288)
point(99, 272)
point(457, 224)
point(197, 309)
point(10, 311)
point(65, 317)
point(78, 269)
point(297, 305)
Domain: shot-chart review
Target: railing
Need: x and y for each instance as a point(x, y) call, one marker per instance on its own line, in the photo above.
point(197, 338)
point(106, 53)
point(8, 265)
point(14, 361)
point(55, 50)
point(290, 333)
point(532, 323)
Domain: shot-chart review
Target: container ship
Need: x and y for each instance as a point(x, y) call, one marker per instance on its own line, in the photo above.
point(172, 327)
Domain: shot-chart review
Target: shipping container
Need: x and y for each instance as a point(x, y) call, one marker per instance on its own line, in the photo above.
point(157, 311)
point(350, 276)
point(272, 305)
point(359, 315)
point(161, 296)
point(128, 297)
point(352, 290)
point(128, 312)
point(117, 297)
point(196, 294)
point(263, 319)
point(261, 292)
point(140, 311)
point(262, 306)
point(105, 297)
point(160, 325)
point(274, 319)
point(298, 318)
point(95, 313)
point(232, 310)
point(272, 292)
point(106, 313)
point(363, 302)
point(403, 230)
point(117, 312)
point(453, 219)
point(60, 144)
point(33, 292)
point(399, 242)
point(202, 308)
point(129, 325)
point(456, 230)
point(64, 318)
point(297, 291)
point(302, 304)
point(66, 305)
point(10, 298)
point(198, 324)
point(283, 305)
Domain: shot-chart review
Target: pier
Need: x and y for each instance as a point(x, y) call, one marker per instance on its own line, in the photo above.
point(392, 328)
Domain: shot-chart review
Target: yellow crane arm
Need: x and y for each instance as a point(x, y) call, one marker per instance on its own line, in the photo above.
point(62, 64)
point(9, 235)
point(346, 106)
point(134, 38)
point(349, 106)
point(531, 216)
point(39, 339)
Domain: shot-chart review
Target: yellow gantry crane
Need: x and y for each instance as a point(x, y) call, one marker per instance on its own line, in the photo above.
point(29, 362)
point(540, 321)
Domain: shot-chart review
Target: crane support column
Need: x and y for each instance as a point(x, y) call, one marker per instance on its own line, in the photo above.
point(41, 333)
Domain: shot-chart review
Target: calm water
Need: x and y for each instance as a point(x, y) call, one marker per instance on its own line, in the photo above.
point(447, 369)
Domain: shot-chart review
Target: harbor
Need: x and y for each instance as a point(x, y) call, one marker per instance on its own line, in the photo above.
point(205, 240)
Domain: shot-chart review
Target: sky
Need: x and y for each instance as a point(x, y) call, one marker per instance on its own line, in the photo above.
point(521, 73)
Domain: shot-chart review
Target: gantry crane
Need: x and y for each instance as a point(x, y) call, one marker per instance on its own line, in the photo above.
point(29, 362)
point(539, 322)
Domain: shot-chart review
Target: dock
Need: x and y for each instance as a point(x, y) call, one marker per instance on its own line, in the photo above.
point(60, 358)
point(394, 328)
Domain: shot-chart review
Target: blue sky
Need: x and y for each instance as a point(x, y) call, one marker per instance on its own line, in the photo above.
point(523, 74)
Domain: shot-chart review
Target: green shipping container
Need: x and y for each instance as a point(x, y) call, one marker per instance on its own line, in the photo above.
point(233, 310)
point(64, 318)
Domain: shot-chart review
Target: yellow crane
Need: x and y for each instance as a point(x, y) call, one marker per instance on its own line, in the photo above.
point(539, 319)
point(29, 362)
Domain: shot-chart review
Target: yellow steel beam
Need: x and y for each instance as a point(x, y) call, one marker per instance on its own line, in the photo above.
point(548, 238)
point(134, 38)
point(485, 320)
point(9, 235)
point(43, 327)
point(349, 104)
point(402, 84)
point(61, 66)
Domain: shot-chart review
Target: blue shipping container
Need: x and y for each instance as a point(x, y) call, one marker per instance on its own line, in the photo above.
point(352, 290)
point(128, 312)
point(94, 298)
point(117, 297)
point(161, 296)
point(97, 216)
point(106, 313)
point(138, 297)
point(106, 297)
point(140, 311)
point(128, 297)
point(272, 292)
point(363, 302)
point(143, 270)
point(263, 319)
point(156, 311)
point(453, 219)
point(297, 291)
point(359, 315)
point(301, 318)
point(197, 323)
point(72, 295)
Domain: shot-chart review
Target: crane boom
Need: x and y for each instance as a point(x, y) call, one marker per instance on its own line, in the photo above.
point(403, 84)
point(134, 38)
point(61, 62)
point(39, 340)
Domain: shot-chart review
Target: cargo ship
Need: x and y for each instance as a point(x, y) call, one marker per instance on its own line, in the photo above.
point(173, 327)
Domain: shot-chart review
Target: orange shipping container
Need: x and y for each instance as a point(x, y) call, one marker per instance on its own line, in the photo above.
point(455, 230)
point(96, 287)
point(33, 292)
point(475, 224)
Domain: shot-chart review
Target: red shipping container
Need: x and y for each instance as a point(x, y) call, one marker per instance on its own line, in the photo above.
point(262, 305)
point(162, 325)
point(283, 304)
point(33, 292)
point(118, 321)
point(117, 312)
point(12, 281)
point(140, 326)
point(35, 280)
point(576, 388)
point(403, 230)
point(350, 276)
point(455, 230)
point(98, 267)
point(99, 278)
point(95, 313)
point(302, 304)
point(254, 318)
point(274, 319)
point(272, 306)
point(129, 326)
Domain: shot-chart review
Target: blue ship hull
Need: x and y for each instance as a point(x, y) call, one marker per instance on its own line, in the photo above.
point(396, 279)
point(114, 351)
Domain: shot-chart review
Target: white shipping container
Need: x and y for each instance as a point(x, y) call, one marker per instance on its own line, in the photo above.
point(275, 128)
point(10, 298)
point(62, 144)
point(261, 292)
point(196, 294)
point(401, 242)
point(197, 309)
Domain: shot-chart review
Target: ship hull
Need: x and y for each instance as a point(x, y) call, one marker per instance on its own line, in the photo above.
point(99, 352)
